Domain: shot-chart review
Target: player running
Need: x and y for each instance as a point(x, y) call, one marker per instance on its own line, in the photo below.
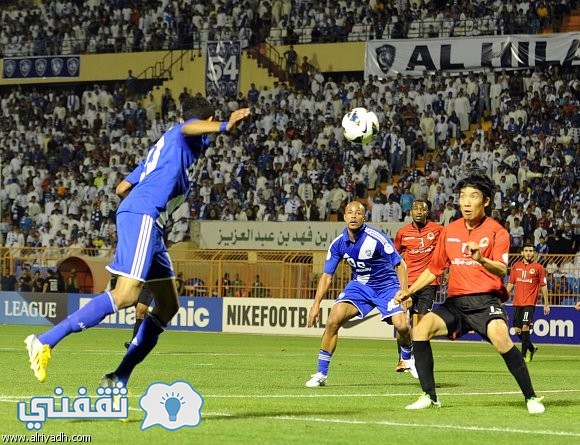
point(416, 242)
point(151, 193)
point(529, 278)
point(475, 249)
point(378, 273)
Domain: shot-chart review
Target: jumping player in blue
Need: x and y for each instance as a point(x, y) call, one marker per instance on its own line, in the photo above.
point(378, 273)
point(151, 193)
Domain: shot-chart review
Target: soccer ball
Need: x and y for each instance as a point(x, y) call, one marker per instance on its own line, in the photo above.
point(360, 125)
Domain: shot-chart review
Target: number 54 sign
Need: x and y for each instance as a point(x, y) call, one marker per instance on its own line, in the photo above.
point(222, 68)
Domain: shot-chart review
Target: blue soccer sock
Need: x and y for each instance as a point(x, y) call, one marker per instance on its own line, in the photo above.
point(324, 358)
point(141, 346)
point(406, 352)
point(86, 317)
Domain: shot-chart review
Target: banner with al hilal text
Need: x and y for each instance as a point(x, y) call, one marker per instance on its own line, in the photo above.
point(414, 57)
point(222, 68)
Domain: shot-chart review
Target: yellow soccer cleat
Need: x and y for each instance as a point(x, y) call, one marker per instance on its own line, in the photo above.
point(39, 355)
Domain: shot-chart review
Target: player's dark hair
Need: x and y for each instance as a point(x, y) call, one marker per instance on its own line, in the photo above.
point(196, 107)
point(528, 244)
point(426, 201)
point(478, 181)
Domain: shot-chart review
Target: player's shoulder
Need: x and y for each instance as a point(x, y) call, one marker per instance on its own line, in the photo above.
point(405, 229)
point(337, 242)
point(432, 225)
point(378, 234)
point(456, 225)
point(538, 265)
point(492, 224)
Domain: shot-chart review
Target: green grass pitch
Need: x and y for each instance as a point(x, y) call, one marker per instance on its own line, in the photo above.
point(253, 387)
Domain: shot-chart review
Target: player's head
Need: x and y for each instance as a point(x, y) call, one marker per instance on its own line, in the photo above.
point(420, 211)
point(528, 252)
point(197, 107)
point(354, 215)
point(475, 194)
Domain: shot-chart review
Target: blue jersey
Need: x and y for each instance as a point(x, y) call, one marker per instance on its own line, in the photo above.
point(161, 182)
point(372, 257)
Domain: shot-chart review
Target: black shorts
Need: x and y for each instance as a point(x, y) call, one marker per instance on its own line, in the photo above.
point(523, 315)
point(146, 296)
point(424, 299)
point(470, 313)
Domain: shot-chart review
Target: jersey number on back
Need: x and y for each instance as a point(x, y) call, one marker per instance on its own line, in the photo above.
point(152, 158)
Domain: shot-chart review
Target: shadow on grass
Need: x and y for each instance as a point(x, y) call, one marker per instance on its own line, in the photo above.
point(282, 413)
point(497, 402)
point(471, 371)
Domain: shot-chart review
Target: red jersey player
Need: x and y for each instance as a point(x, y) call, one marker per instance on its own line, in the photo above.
point(475, 249)
point(529, 278)
point(416, 243)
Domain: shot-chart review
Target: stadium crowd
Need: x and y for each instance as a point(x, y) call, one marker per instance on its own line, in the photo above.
point(98, 26)
point(65, 150)
point(66, 153)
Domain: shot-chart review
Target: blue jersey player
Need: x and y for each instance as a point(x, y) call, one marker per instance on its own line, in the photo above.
point(378, 273)
point(151, 193)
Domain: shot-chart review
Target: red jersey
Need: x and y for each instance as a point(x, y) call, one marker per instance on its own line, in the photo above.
point(528, 279)
point(417, 246)
point(467, 276)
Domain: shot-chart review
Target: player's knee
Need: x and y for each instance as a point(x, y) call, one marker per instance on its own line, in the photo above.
point(333, 324)
point(124, 299)
point(426, 329)
point(402, 325)
point(499, 336)
point(419, 333)
point(502, 344)
point(167, 312)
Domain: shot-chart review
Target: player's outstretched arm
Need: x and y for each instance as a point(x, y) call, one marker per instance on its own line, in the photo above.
point(402, 273)
point(197, 128)
point(123, 189)
point(546, 298)
point(321, 289)
point(509, 288)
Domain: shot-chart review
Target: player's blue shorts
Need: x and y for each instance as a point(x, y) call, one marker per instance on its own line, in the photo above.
point(365, 299)
point(141, 253)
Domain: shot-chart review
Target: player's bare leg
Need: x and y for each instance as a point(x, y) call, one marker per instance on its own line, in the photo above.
point(339, 314)
point(166, 306)
point(402, 324)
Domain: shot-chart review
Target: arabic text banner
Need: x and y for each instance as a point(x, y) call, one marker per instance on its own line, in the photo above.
point(415, 56)
point(276, 235)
